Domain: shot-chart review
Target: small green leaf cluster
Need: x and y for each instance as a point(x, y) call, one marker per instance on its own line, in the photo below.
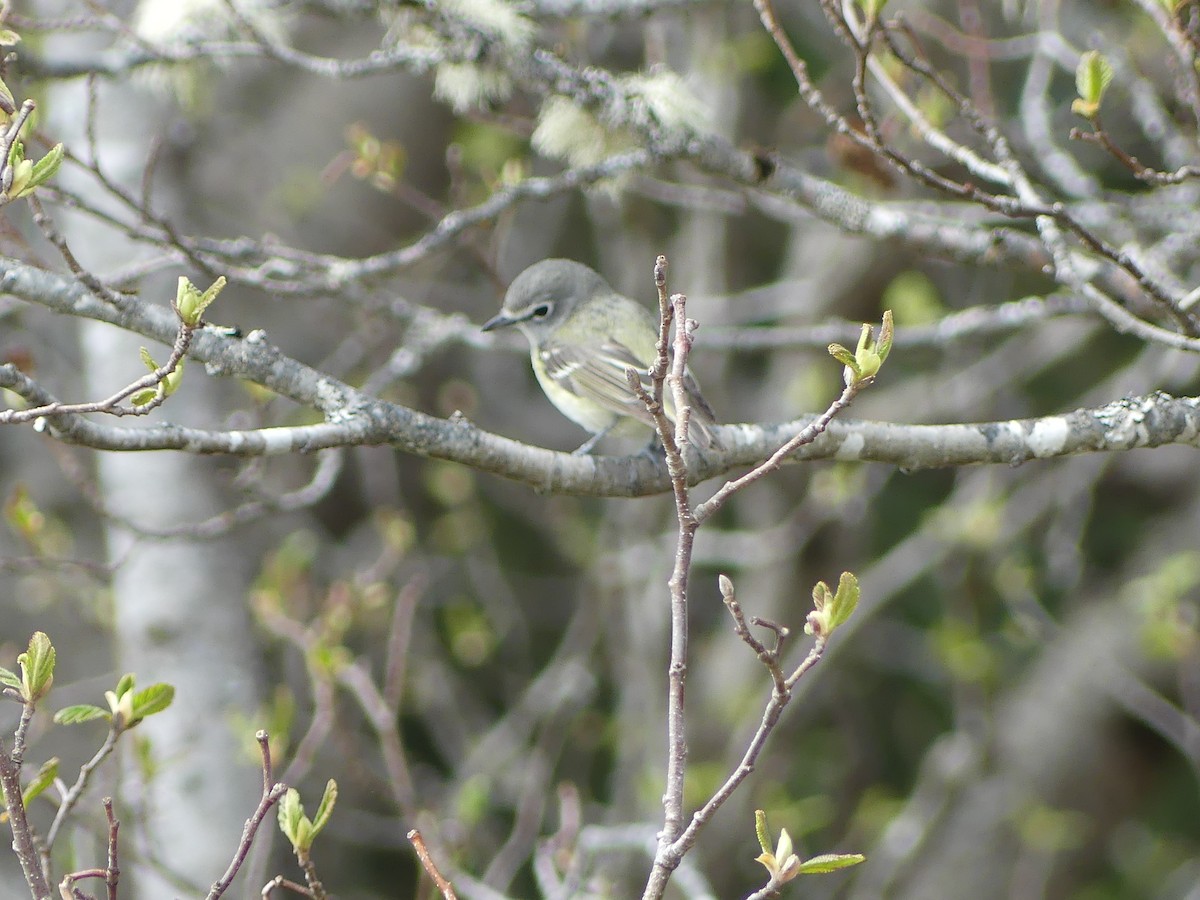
point(783, 864)
point(28, 175)
point(380, 162)
point(300, 830)
point(22, 514)
point(832, 609)
point(190, 302)
point(45, 777)
point(1092, 77)
point(37, 670)
point(165, 388)
point(870, 354)
point(126, 706)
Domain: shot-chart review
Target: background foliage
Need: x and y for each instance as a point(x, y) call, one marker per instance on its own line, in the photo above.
point(1011, 713)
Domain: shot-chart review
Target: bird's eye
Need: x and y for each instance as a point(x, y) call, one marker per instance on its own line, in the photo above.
point(540, 312)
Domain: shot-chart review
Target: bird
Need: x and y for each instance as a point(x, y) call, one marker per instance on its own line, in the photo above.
point(582, 337)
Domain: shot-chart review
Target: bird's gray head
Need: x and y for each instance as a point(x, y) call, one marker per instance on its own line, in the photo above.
point(545, 294)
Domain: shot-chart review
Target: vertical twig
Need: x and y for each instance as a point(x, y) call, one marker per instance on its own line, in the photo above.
point(112, 871)
point(675, 840)
point(439, 880)
point(22, 843)
point(271, 793)
point(316, 889)
point(670, 369)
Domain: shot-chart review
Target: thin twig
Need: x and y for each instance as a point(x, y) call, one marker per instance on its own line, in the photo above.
point(769, 658)
point(770, 718)
point(23, 843)
point(316, 889)
point(74, 794)
point(675, 840)
point(110, 873)
point(272, 791)
point(806, 435)
point(111, 405)
point(1098, 135)
point(431, 869)
point(280, 882)
point(671, 435)
point(50, 231)
point(113, 873)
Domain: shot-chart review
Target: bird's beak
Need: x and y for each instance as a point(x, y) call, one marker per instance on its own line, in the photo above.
point(500, 320)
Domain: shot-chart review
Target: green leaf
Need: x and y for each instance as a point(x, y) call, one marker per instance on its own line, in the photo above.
point(325, 810)
point(829, 862)
point(783, 851)
point(120, 702)
point(296, 826)
point(37, 667)
point(190, 304)
point(42, 780)
point(211, 294)
point(887, 333)
point(22, 172)
point(8, 106)
point(866, 354)
point(304, 835)
point(26, 174)
point(128, 680)
point(291, 815)
point(845, 357)
point(1092, 77)
point(9, 679)
point(844, 601)
point(44, 168)
point(829, 609)
point(23, 516)
point(821, 596)
point(172, 380)
point(151, 700)
point(187, 299)
point(84, 712)
point(169, 384)
point(761, 831)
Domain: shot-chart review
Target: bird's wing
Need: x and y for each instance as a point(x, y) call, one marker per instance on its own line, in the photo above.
point(598, 374)
point(702, 413)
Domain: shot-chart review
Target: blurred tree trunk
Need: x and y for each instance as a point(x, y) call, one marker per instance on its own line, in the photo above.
point(179, 606)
